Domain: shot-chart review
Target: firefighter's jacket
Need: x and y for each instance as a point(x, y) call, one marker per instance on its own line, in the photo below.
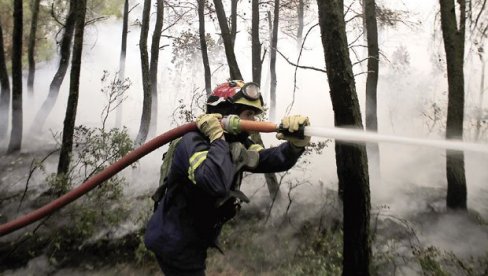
point(189, 217)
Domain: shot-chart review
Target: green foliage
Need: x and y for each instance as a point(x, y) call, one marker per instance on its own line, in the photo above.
point(142, 254)
point(186, 49)
point(106, 8)
point(102, 208)
point(252, 248)
point(427, 259)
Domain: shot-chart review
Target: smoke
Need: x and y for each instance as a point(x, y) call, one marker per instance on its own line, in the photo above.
point(413, 179)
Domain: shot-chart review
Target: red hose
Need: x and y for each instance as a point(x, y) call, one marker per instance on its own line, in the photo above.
point(116, 167)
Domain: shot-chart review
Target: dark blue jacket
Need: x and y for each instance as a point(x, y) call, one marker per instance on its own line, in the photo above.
point(187, 220)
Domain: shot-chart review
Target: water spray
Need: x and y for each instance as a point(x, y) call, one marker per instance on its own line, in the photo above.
point(341, 134)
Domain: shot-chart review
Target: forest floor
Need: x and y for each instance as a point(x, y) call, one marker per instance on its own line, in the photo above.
point(257, 242)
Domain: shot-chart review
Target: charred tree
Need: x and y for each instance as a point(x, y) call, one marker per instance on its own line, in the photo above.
point(369, 17)
point(272, 63)
point(233, 20)
point(153, 65)
point(234, 71)
point(203, 46)
point(17, 113)
point(123, 55)
point(32, 46)
point(146, 79)
point(351, 160)
point(301, 23)
point(74, 86)
point(65, 52)
point(5, 90)
point(256, 44)
point(454, 37)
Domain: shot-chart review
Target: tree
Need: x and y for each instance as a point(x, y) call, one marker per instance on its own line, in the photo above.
point(272, 62)
point(256, 44)
point(203, 46)
point(271, 180)
point(74, 86)
point(233, 20)
point(32, 46)
point(5, 90)
point(369, 17)
point(153, 66)
point(146, 80)
point(123, 54)
point(351, 160)
point(234, 71)
point(17, 113)
point(65, 52)
point(454, 46)
point(301, 12)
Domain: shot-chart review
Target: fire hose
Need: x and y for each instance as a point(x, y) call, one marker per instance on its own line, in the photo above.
point(352, 135)
point(116, 167)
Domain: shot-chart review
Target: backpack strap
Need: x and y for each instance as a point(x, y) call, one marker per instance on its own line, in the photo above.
point(164, 172)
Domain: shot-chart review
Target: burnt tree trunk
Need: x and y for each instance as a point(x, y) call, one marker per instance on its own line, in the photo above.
point(369, 17)
point(123, 55)
point(153, 65)
point(233, 21)
point(301, 24)
point(17, 113)
point(454, 47)
point(203, 46)
point(234, 71)
point(32, 46)
point(146, 79)
point(272, 63)
point(5, 90)
point(351, 160)
point(65, 52)
point(256, 44)
point(74, 87)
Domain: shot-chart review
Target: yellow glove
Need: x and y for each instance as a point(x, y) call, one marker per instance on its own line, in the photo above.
point(209, 125)
point(292, 124)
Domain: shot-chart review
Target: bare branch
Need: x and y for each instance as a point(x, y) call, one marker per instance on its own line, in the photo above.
point(133, 7)
point(301, 66)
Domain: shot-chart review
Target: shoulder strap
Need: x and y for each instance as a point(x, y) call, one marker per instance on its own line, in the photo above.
point(164, 172)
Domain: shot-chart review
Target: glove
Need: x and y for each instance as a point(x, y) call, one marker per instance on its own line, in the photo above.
point(232, 124)
point(292, 123)
point(209, 125)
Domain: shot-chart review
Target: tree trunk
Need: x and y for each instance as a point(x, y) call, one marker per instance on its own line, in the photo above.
point(146, 79)
point(234, 71)
point(123, 54)
point(480, 99)
point(32, 46)
point(17, 113)
point(454, 47)
point(5, 90)
point(65, 52)
point(153, 68)
point(301, 24)
point(233, 21)
point(74, 86)
point(203, 46)
point(369, 17)
point(272, 66)
point(256, 44)
point(351, 160)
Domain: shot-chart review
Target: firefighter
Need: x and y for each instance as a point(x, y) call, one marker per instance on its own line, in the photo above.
point(201, 189)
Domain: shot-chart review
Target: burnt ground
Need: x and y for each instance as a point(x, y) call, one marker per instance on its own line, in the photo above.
point(285, 245)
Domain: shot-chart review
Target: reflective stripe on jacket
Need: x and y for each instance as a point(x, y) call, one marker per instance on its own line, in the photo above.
point(188, 218)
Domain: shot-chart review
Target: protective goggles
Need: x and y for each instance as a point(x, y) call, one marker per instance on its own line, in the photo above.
point(249, 91)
